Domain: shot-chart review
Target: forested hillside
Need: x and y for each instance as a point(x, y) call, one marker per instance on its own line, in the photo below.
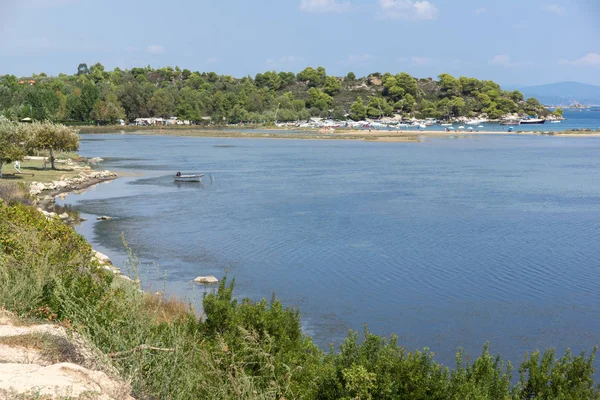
point(94, 95)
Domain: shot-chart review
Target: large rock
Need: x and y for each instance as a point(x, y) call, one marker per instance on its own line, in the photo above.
point(36, 188)
point(102, 258)
point(206, 279)
point(104, 218)
point(375, 81)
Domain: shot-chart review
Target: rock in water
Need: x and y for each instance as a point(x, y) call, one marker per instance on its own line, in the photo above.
point(206, 279)
point(104, 218)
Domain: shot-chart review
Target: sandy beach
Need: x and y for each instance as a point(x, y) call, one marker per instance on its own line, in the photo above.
point(337, 134)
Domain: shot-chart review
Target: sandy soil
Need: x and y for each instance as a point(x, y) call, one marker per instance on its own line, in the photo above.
point(26, 370)
point(337, 134)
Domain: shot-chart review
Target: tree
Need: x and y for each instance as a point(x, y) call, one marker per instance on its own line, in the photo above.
point(469, 86)
point(449, 85)
point(558, 112)
point(517, 96)
point(287, 78)
point(314, 77)
point(97, 72)
point(318, 99)
point(83, 69)
point(332, 86)
point(269, 79)
point(378, 106)
point(358, 111)
point(11, 137)
point(351, 77)
point(52, 137)
point(408, 83)
point(82, 100)
point(108, 110)
point(457, 106)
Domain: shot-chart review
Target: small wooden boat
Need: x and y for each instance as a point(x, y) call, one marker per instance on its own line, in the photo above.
point(188, 178)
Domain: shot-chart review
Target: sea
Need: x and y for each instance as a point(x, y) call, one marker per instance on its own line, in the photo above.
point(446, 243)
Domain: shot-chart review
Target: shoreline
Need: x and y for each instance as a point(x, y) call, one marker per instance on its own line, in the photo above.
point(340, 134)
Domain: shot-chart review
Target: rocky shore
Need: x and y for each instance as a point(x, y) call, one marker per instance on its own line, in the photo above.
point(47, 192)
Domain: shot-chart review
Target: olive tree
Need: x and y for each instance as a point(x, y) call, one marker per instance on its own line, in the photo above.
point(53, 137)
point(11, 143)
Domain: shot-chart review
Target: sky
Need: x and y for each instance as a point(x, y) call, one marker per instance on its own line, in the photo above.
point(514, 42)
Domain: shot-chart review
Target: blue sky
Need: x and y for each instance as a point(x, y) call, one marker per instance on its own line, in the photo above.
point(515, 42)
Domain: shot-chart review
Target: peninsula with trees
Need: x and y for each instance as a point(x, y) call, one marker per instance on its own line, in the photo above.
point(94, 95)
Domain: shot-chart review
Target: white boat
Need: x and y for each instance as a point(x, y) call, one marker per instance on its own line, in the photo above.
point(531, 120)
point(555, 122)
point(188, 178)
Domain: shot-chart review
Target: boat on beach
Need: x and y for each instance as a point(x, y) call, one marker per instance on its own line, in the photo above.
point(188, 178)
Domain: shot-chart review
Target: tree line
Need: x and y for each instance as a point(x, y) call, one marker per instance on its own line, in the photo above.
point(95, 95)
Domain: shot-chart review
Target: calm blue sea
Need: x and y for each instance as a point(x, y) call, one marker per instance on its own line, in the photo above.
point(446, 243)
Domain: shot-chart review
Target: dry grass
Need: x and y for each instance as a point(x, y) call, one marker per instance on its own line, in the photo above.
point(165, 309)
point(52, 348)
point(12, 193)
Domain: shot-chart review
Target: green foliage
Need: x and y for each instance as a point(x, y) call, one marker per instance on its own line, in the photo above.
point(318, 99)
point(332, 86)
point(314, 77)
point(11, 137)
point(449, 86)
point(95, 95)
point(358, 110)
point(558, 112)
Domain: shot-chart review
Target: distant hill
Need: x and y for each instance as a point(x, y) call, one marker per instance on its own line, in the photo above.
point(564, 93)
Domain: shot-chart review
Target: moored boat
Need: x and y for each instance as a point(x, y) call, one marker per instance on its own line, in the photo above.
point(188, 178)
point(531, 120)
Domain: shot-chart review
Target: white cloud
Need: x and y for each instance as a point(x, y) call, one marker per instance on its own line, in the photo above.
point(324, 6)
point(358, 59)
point(407, 10)
point(283, 61)
point(155, 49)
point(416, 61)
point(421, 61)
point(555, 9)
point(589, 60)
point(480, 11)
point(502, 60)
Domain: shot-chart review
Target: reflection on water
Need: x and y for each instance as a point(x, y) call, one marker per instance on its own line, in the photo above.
point(447, 243)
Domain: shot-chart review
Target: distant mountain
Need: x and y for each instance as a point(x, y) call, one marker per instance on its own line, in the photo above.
point(564, 93)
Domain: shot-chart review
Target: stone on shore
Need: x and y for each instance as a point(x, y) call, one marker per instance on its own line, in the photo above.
point(95, 160)
point(102, 258)
point(206, 279)
point(64, 216)
point(36, 188)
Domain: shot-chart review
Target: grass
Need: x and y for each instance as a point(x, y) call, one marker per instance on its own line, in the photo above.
point(33, 171)
point(53, 348)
